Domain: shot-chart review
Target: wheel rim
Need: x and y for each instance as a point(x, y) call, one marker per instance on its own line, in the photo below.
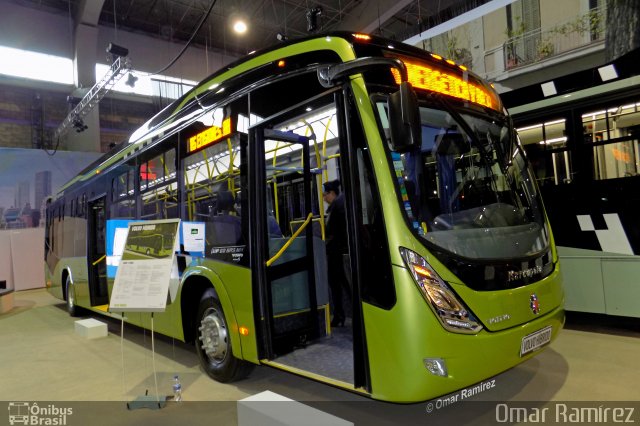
point(213, 335)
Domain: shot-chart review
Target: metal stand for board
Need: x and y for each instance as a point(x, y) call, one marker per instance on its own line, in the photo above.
point(147, 401)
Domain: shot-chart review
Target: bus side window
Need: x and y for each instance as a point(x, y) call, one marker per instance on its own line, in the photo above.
point(123, 205)
point(159, 187)
point(215, 184)
point(376, 280)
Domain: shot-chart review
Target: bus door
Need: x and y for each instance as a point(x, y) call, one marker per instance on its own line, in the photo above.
point(291, 291)
point(96, 251)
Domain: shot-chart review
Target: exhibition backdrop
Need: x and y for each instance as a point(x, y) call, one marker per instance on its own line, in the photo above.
point(27, 177)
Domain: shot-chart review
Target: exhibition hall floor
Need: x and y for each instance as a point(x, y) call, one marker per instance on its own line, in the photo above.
point(43, 359)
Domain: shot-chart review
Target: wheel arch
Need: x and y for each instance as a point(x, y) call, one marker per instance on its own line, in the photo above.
point(194, 285)
point(66, 272)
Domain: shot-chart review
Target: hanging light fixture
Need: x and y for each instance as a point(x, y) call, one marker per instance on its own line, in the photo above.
point(239, 26)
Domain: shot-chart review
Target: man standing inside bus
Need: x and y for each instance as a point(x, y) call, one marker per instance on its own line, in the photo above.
point(336, 246)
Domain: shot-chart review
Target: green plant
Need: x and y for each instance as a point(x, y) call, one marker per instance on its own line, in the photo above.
point(516, 30)
point(545, 49)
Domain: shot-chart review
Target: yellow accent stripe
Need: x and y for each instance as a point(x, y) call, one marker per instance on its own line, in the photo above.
point(290, 240)
point(320, 307)
point(314, 376)
point(103, 308)
point(99, 260)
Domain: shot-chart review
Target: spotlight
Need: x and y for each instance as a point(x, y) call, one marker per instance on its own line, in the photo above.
point(240, 27)
point(312, 18)
point(131, 80)
point(116, 50)
point(79, 125)
point(73, 101)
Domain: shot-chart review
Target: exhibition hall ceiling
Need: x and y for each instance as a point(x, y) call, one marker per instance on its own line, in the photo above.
point(176, 20)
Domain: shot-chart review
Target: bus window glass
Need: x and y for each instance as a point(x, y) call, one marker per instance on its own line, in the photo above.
point(121, 185)
point(124, 209)
point(214, 187)
point(154, 171)
point(169, 164)
point(614, 133)
point(159, 199)
point(160, 202)
point(468, 189)
point(123, 206)
point(616, 160)
point(131, 181)
point(546, 147)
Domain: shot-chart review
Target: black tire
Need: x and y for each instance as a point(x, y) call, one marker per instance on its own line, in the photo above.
point(72, 309)
point(213, 342)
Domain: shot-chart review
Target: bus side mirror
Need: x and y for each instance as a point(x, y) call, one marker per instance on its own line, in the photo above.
point(404, 119)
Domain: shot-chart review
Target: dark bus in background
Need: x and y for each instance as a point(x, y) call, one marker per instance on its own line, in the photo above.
point(582, 142)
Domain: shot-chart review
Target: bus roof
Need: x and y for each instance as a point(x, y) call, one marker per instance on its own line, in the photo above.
point(343, 43)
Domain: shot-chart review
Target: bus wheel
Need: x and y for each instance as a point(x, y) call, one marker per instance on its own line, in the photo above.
point(71, 298)
point(213, 342)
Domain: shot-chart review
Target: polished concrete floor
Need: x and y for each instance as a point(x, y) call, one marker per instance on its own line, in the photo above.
point(43, 359)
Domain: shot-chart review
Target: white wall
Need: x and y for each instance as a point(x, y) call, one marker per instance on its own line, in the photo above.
point(150, 54)
point(30, 29)
point(6, 268)
point(22, 258)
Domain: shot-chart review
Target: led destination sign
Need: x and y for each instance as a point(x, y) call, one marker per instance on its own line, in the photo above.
point(209, 136)
point(447, 83)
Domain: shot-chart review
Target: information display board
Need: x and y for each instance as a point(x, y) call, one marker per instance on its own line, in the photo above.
point(144, 274)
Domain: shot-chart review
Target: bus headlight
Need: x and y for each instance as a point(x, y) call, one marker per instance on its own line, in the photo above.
point(451, 312)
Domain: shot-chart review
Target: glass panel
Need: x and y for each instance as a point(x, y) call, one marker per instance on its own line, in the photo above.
point(467, 188)
point(161, 202)
point(616, 160)
point(170, 164)
point(121, 185)
point(619, 159)
point(213, 186)
point(154, 171)
point(595, 126)
point(130, 181)
point(124, 209)
point(545, 144)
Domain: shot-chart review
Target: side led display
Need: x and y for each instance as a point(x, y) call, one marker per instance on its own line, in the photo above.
point(209, 136)
point(448, 83)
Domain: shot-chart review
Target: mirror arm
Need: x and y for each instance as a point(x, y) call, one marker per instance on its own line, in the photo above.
point(328, 75)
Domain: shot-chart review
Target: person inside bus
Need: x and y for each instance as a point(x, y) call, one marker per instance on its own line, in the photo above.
point(272, 224)
point(226, 226)
point(337, 249)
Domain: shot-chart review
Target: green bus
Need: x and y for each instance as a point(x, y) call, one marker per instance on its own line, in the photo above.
point(151, 245)
point(451, 263)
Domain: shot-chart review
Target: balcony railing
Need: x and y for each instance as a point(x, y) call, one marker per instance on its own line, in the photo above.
point(536, 45)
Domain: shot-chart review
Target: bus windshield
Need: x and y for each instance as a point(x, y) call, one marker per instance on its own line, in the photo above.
point(467, 189)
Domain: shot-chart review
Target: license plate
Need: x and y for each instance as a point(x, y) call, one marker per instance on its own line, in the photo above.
point(536, 340)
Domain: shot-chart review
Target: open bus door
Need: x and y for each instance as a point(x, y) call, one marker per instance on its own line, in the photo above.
point(291, 291)
point(96, 251)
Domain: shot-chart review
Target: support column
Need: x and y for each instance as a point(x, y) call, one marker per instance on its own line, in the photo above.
point(85, 58)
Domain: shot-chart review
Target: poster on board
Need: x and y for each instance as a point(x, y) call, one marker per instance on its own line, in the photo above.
point(144, 273)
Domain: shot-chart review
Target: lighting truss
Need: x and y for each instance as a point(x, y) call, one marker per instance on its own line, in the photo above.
point(119, 68)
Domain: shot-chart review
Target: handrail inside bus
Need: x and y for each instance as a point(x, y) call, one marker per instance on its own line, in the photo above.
point(99, 260)
point(290, 240)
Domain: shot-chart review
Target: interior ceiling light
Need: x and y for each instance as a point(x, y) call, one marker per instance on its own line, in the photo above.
point(240, 26)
